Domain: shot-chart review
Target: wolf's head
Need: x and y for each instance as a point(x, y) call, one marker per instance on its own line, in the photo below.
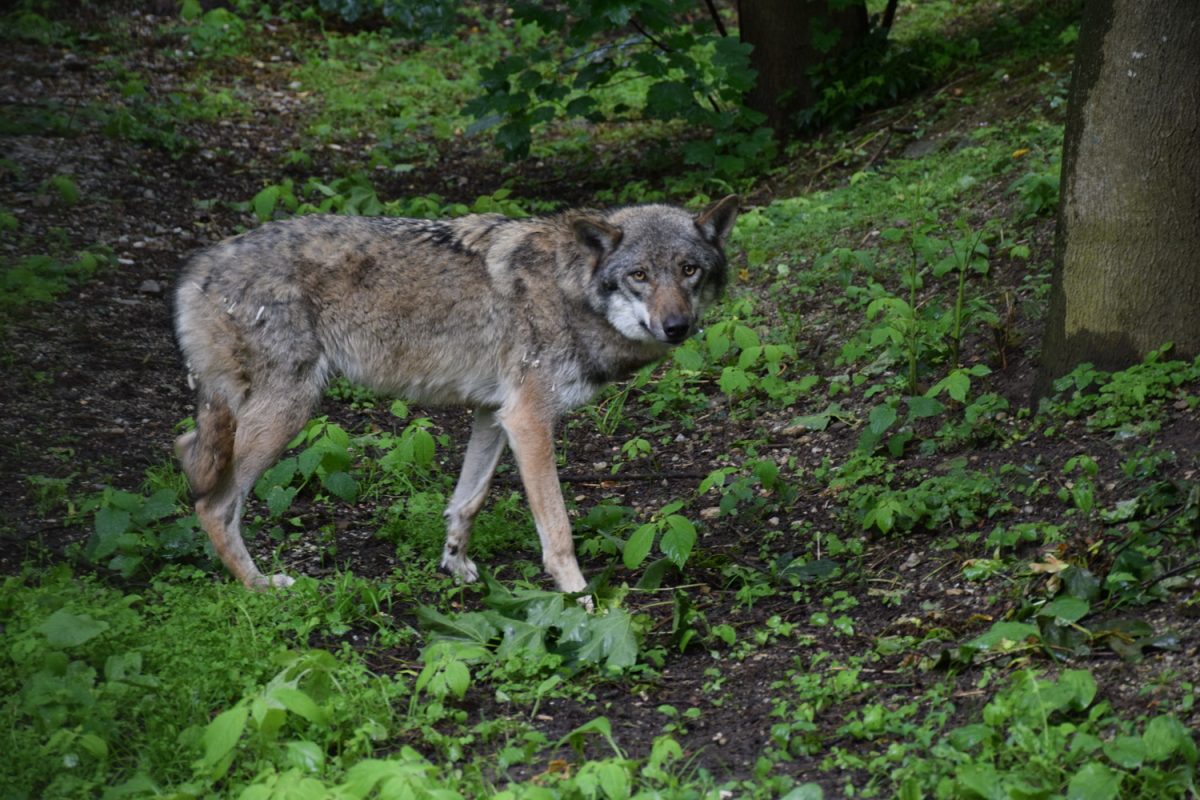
point(655, 267)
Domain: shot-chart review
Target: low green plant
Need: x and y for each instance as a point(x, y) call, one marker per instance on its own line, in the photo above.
point(134, 533)
point(1054, 735)
point(1131, 399)
point(529, 625)
point(42, 278)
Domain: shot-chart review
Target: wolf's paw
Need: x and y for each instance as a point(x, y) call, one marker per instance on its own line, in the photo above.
point(262, 583)
point(460, 567)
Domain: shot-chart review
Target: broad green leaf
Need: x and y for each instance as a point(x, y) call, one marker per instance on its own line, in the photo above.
point(279, 475)
point(1126, 751)
point(982, 780)
point(599, 726)
point(880, 419)
point(158, 505)
point(64, 629)
point(812, 422)
point(306, 756)
point(264, 203)
point(280, 498)
point(422, 447)
point(521, 639)
point(745, 337)
point(969, 737)
point(638, 546)
point(467, 627)
point(923, 407)
point(1094, 782)
point(614, 780)
point(1164, 735)
point(111, 522)
point(1004, 636)
point(733, 380)
point(678, 540)
point(1065, 609)
point(341, 485)
point(1081, 685)
point(806, 791)
point(298, 702)
point(612, 641)
point(458, 678)
point(652, 575)
point(688, 358)
point(222, 735)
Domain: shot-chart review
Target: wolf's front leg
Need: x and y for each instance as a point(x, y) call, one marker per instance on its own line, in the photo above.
point(479, 464)
point(530, 429)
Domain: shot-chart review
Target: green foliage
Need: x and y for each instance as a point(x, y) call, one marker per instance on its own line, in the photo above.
point(423, 19)
point(42, 278)
point(960, 499)
point(135, 533)
point(356, 195)
point(879, 72)
point(535, 626)
point(216, 33)
point(1043, 736)
point(684, 72)
point(326, 456)
point(1127, 400)
point(881, 540)
point(1038, 192)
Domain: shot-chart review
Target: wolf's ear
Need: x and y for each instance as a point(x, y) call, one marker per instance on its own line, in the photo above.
point(716, 221)
point(597, 236)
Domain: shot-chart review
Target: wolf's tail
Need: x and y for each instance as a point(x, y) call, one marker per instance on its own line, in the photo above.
point(207, 452)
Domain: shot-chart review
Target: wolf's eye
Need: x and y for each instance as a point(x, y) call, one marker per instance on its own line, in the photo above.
point(689, 270)
point(638, 275)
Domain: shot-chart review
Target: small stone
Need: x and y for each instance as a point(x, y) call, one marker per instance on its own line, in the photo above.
point(150, 287)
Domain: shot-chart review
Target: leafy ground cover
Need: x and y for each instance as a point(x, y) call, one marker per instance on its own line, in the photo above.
point(837, 551)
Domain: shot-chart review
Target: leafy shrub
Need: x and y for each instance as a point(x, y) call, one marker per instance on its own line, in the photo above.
point(417, 19)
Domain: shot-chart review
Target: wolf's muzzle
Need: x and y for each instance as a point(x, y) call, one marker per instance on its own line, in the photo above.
point(676, 328)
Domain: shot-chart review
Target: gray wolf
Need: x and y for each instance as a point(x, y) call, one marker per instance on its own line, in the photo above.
point(519, 319)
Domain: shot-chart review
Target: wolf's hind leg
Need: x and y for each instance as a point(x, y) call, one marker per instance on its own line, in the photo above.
point(266, 423)
point(479, 464)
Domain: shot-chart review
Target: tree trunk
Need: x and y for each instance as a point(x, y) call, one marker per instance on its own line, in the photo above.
point(788, 37)
point(1127, 255)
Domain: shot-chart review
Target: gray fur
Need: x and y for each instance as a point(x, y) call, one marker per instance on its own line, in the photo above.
point(520, 319)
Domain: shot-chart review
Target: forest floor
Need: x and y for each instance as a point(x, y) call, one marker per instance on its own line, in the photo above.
point(94, 391)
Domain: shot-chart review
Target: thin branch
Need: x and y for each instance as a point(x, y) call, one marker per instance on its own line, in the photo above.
point(716, 17)
point(889, 15)
point(638, 27)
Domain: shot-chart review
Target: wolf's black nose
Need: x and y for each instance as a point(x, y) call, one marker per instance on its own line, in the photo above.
point(676, 328)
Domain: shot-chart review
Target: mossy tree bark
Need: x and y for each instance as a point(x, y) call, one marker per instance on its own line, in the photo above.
point(790, 37)
point(1127, 256)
